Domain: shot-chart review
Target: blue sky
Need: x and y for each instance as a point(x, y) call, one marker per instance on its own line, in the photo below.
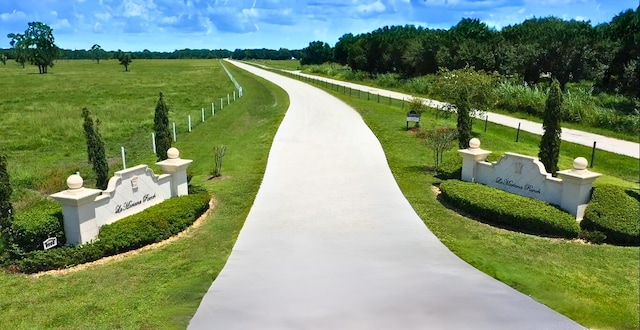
point(166, 25)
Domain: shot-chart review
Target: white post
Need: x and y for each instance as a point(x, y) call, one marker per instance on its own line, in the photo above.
point(189, 123)
point(153, 142)
point(124, 159)
point(240, 91)
point(228, 99)
point(221, 104)
point(234, 96)
point(213, 109)
point(174, 132)
point(203, 115)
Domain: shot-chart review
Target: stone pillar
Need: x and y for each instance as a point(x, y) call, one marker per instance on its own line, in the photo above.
point(177, 168)
point(79, 212)
point(576, 187)
point(470, 158)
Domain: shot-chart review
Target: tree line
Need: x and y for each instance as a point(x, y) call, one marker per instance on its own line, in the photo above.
point(567, 50)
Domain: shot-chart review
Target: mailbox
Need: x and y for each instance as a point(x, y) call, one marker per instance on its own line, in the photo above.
point(413, 116)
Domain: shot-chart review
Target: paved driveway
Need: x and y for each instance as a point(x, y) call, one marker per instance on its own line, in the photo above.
point(332, 243)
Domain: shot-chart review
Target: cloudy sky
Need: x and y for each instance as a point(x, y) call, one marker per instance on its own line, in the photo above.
point(166, 25)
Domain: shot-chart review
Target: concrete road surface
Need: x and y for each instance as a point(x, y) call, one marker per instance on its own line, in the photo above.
point(332, 243)
point(622, 147)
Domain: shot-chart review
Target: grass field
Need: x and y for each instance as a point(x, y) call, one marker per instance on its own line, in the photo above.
point(41, 125)
point(594, 285)
point(160, 289)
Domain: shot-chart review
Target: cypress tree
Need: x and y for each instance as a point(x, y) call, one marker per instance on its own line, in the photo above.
point(550, 142)
point(464, 126)
point(161, 126)
point(95, 150)
point(6, 209)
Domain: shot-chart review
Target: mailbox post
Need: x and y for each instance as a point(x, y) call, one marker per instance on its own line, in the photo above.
point(413, 116)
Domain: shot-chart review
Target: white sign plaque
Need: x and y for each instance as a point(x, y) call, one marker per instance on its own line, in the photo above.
point(50, 243)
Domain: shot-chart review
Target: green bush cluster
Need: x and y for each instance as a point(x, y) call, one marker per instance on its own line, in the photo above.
point(613, 212)
point(509, 210)
point(32, 227)
point(149, 226)
point(580, 106)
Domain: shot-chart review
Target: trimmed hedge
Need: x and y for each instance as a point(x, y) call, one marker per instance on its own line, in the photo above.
point(509, 210)
point(152, 225)
point(30, 228)
point(613, 212)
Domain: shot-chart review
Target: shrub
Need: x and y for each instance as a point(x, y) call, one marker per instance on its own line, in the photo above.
point(30, 228)
point(451, 168)
point(389, 80)
point(613, 212)
point(149, 226)
point(509, 210)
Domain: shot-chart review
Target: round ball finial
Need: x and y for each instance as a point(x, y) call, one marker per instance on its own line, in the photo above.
point(173, 153)
point(474, 143)
point(74, 181)
point(580, 163)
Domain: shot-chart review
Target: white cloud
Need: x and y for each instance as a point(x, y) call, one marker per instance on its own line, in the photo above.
point(61, 24)
point(13, 16)
point(103, 16)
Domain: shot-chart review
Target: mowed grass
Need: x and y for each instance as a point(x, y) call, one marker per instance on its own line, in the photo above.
point(161, 289)
point(595, 285)
point(41, 124)
point(278, 64)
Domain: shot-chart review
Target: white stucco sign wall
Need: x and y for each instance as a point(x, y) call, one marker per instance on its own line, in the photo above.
point(526, 176)
point(129, 191)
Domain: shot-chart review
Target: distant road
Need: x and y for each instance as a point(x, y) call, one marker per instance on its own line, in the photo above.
point(617, 146)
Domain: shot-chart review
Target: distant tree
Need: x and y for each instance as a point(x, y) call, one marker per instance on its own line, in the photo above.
point(469, 91)
point(317, 52)
point(161, 127)
point(550, 142)
point(125, 59)
point(36, 45)
point(95, 150)
point(97, 53)
point(3, 59)
point(6, 209)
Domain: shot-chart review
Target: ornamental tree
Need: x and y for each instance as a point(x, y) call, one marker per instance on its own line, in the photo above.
point(469, 91)
point(161, 127)
point(95, 150)
point(550, 142)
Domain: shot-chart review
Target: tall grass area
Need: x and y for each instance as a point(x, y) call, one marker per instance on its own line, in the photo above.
point(162, 288)
point(279, 64)
point(41, 126)
point(611, 115)
point(596, 285)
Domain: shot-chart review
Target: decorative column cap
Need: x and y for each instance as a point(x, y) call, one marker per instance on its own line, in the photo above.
point(173, 153)
point(580, 164)
point(75, 182)
point(474, 143)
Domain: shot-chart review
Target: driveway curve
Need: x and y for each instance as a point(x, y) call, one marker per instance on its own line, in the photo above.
point(332, 243)
point(622, 147)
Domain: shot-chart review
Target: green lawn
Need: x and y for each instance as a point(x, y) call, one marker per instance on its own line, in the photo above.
point(596, 285)
point(41, 114)
point(161, 289)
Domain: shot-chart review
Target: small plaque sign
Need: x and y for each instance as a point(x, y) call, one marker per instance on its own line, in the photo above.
point(50, 243)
